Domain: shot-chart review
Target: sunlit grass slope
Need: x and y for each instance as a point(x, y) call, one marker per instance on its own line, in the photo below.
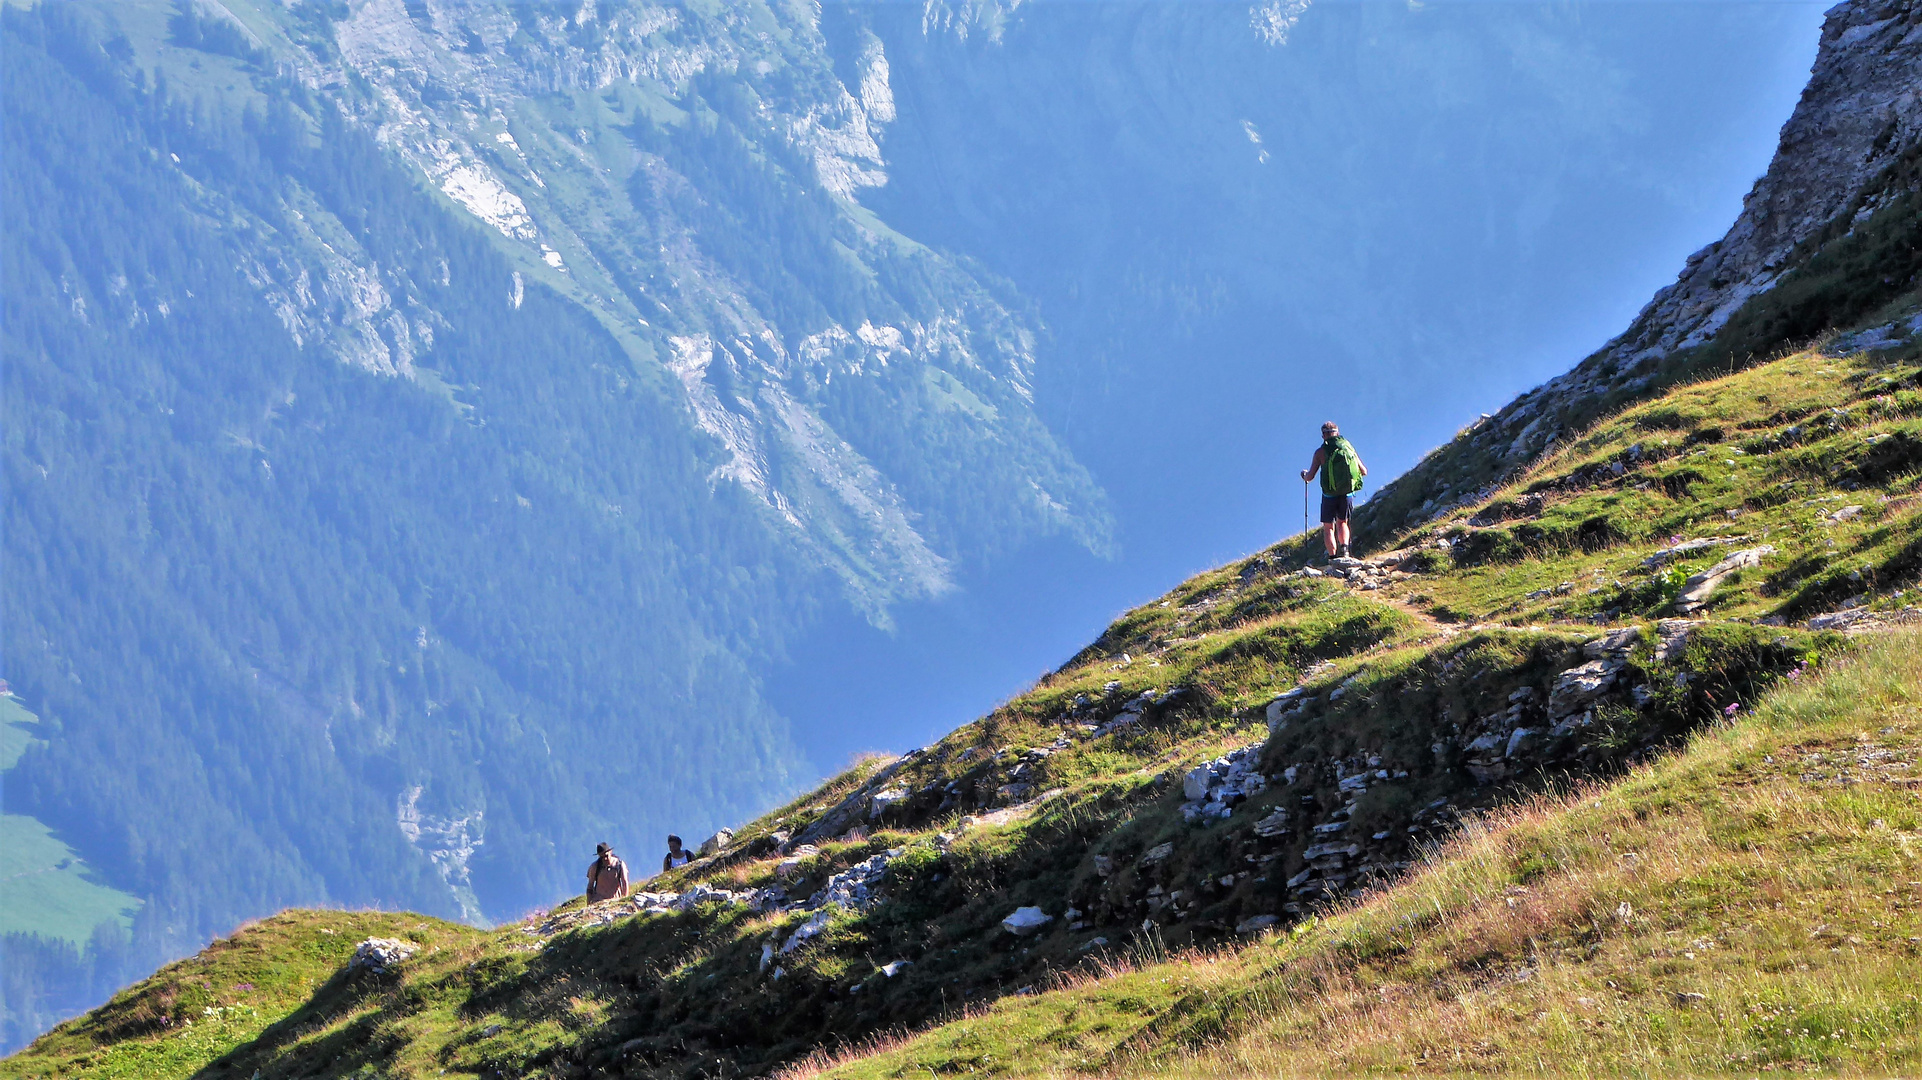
point(1751, 904)
point(270, 977)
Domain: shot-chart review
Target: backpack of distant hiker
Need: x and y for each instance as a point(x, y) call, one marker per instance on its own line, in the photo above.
point(1340, 468)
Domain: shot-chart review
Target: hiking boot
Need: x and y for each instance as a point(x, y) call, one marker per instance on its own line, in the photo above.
point(1341, 551)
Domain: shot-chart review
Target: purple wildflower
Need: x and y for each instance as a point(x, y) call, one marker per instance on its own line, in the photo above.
point(1733, 708)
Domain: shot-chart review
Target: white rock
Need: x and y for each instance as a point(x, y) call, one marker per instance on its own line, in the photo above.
point(1688, 547)
point(1484, 745)
point(1273, 825)
point(1615, 641)
point(814, 927)
point(1839, 620)
point(1674, 637)
point(882, 801)
point(1194, 786)
point(1580, 684)
point(1697, 589)
point(1518, 740)
point(1255, 924)
point(1025, 921)
point(718, 842)
point(378, 955)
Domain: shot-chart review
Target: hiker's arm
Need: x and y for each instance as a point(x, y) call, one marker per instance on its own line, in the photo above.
point(1359, 465)
point(1314, 467)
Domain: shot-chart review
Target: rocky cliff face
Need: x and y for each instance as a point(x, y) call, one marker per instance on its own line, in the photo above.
point(1860, 115)
point(1847, 154)
point(557, 127)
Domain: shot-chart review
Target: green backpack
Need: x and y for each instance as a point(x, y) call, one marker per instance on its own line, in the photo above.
point(1340, 468)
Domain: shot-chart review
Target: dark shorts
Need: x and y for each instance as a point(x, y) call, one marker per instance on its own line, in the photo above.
point(1336, 507)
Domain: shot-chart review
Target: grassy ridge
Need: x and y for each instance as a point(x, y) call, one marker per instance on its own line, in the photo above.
point(268, 979)
point(1750, 904)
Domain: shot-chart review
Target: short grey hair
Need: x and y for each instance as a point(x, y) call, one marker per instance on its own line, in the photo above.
point(1330, 428)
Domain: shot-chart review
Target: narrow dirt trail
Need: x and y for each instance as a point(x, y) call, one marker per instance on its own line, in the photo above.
point(1438, 629)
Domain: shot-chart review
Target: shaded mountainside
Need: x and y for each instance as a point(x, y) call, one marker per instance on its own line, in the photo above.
point(1689, 609)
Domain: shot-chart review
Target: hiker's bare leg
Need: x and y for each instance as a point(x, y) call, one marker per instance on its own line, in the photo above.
point(1328, 537)
point(1341, 533)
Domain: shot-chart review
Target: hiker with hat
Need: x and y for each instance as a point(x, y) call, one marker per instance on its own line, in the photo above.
point(677, 856)
point(1341, 472)
point(606, 875)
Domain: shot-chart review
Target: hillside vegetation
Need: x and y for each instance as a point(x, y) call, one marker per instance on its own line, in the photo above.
point(1747, 905)
point(1372, 759)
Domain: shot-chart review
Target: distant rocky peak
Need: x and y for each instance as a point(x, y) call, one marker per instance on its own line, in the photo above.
point(1861, 112)
point(1849, 150)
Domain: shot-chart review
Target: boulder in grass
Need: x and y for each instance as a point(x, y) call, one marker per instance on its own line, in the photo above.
point(380, 955)
point(1697, 589)
point(718, 842)
point(886, 800)
point(1025, 921)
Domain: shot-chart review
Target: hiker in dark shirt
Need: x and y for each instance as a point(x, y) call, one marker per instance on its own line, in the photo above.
point(1341, 472)
point(606, 875)
point(677, 856)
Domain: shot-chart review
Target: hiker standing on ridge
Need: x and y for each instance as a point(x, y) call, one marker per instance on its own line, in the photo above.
point(1341, 472)
point(606, 875)
point(677, 856)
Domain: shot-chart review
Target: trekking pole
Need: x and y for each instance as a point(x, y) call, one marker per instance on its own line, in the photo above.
point(1304, 506)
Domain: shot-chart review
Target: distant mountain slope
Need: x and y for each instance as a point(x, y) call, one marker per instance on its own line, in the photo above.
point(688, 178)
point(238, 584)
point(412, 462)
